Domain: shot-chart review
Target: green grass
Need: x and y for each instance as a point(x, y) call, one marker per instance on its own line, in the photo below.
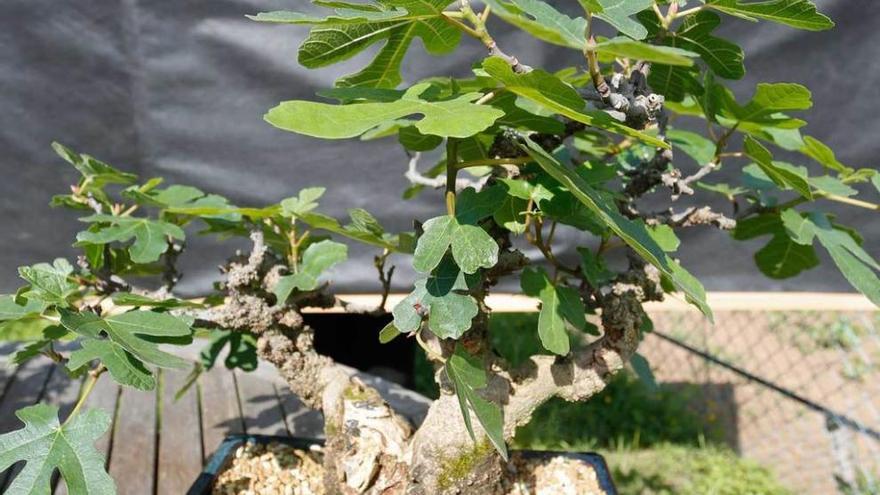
point(668, 469)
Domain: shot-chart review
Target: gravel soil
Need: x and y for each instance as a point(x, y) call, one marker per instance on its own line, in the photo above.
point(272, 469)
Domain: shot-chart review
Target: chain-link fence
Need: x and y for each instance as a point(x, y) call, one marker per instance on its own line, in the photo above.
point(797, 391)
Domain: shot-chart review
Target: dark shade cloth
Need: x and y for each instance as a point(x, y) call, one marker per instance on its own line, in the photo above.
point(177, 89)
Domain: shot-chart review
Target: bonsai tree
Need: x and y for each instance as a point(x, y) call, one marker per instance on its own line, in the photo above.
point(521, 153)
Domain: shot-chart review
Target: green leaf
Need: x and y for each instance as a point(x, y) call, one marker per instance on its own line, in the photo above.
point(769, 99)
point(517, 117)
point(472, 206)
point(304, 202)
point(343, 16)
point(627, 48)
point(128, 331)
point(363, 221)
point(692, 144)
point(665, 237)
point(11, 310)
point(551, 92)
point(434, 242)
point(695, 35)
point(400, 243)
point(413, 140)
point(123, 367)
point(388, 333)
point(97, 172)
point(48, 335)
point(558, 305)
point(44, 444)
point(149, 323)
point(472, 247)
point(782, 176)
point(831, 185)
point(594, 269)
point(819, 151)
point(317, 258)
point(49, 283)
point(618, 12)
point(180, 197)
point(674, 83)
point(571, 306)
point(355, 27)
point(468, 376)
point(635, 234)
point(801, 230)
point(592, 6)
point(511, 214)
point(442, 299)
point(551, 326)
point(856, 265)
point(643, 370)
point(150, 236)
point(131, 299)
point(542, 21)
point(458, 117)
point(799, 14)
point(784, 256)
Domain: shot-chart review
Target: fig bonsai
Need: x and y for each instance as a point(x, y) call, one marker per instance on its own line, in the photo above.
point(521, 153)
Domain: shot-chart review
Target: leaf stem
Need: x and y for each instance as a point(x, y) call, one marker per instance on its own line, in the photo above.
point(485, 98)
point(663, 20)
point(593, 63)
point(687, 12)
point(819, 194)
point(479, 32)
point(493, 162)
point(451, 173)
point(546, 250)
point(94, 374)
point(430, 352)
point(129, 211)
point(850, 201)
point(460, 25)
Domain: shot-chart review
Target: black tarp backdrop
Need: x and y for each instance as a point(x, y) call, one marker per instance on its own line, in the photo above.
point(177, 89)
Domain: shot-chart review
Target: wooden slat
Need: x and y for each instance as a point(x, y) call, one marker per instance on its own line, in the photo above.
point(25, 389)
point(301, 421)
point(260, 406)
point(180, 439)
point(221, 414)
point(103, 397)
point(134, 443)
